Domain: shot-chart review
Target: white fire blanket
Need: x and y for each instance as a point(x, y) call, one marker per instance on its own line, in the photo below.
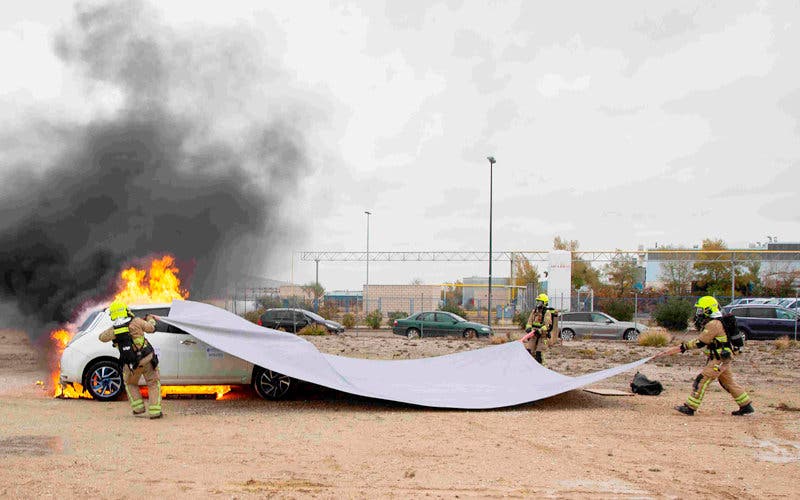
point(492, 377)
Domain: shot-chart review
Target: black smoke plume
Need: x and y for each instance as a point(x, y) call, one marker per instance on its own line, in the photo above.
point(188, 158)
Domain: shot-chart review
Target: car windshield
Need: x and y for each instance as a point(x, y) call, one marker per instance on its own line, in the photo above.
point(315, 316)
point(88, 322)
point(455, 316)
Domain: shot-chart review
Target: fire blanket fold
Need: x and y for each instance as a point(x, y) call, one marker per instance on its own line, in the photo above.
point(492, 377)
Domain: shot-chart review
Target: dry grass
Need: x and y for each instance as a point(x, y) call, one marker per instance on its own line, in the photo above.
point(655, 338)
point(785, 343)
point(313, 329)
point(587, 353)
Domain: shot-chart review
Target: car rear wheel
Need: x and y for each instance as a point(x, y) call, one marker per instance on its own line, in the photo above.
point(104, 380)
point(412, 333)
point(631, 334)
point(269, 384)
point(469, 333)
point(567, 334)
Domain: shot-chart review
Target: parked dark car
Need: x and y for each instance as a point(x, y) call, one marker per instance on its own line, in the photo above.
point(438, 324)
point(597, 325)
point(762, 322)
point(294, 320)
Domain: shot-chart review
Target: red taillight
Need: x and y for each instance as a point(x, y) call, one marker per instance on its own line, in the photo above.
point(259, 322)
point(395, 323)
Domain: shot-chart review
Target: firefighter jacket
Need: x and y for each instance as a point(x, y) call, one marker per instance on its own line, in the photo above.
point(713, 338)
point(541, 320)
point(136, 328)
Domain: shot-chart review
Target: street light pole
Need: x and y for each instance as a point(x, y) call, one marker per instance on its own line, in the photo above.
point(492, 161)
point(366, 288)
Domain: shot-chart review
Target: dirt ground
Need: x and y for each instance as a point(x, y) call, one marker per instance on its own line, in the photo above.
point(326, 444)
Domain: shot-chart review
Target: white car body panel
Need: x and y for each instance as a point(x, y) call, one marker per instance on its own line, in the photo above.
point(182, 359)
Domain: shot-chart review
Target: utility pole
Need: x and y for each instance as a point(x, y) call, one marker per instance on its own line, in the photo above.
point(492, 161)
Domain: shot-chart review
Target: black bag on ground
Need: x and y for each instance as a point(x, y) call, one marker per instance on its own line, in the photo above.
point(643, 385)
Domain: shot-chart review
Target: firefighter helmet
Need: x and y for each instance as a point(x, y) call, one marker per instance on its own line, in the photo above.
point(707, 305)
point(118, 310)
point(543, 299)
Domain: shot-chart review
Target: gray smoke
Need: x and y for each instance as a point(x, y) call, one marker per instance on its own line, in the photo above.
point(191, 161)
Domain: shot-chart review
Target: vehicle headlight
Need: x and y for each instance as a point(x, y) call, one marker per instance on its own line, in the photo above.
point(485, 329)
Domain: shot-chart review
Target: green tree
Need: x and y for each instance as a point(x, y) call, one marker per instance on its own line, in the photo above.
point(454, 294)
point(622, 272)
point(524, 272)
point(676, 272)
point(713, 274)
point(582, 272)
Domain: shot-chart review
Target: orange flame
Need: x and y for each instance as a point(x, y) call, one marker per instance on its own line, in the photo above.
point(159, 283)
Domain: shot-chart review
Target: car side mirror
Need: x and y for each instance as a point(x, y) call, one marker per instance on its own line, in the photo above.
point(609, 321)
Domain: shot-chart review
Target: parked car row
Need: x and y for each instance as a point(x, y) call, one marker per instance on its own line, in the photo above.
point(764, 321)
point(788, 303)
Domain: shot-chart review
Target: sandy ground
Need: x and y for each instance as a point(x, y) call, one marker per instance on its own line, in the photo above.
point(326, 444)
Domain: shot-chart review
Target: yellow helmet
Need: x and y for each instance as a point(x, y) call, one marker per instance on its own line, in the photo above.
point(118, 310)
point(543, 298)
point(707, 305)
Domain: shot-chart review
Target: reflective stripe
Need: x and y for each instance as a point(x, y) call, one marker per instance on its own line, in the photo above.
point(122, 329)
point(741, 400)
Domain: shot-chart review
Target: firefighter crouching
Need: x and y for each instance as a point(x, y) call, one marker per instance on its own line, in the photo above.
point(538, 328)
point(137, 357)
point(719, 365)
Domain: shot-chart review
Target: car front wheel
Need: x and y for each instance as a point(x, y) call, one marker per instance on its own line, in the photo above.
point(269, 384)
point(631, 334)
point(412, 333)
point(104, 380)
point(567, 334)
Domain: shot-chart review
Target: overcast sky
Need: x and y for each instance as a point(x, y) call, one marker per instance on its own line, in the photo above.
point(618, 124)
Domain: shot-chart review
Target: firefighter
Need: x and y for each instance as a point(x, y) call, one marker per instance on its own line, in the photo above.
point(538, 328)
point(719, 364)
point(137, 357)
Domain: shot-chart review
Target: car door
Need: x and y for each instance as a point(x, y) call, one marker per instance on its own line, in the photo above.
point(201, 363)
point(758, 321)
point(300, 321)
point(427, 324)
point(603, 326)
point(166, 346)
point(446, 324)
point(786, 322)
point(582, 324)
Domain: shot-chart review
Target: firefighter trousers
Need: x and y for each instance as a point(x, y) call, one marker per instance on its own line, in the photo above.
point(153, 380)
point(536, 346)
point(722, 371)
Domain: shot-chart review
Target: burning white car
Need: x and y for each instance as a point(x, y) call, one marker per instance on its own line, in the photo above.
point(183, 360)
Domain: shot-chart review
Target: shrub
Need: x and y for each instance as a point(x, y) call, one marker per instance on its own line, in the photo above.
point(396, 315)
point(348, 320)
point(252, 316)
point(655, 339)
point(328, 310)
point(785, 342)
point(619, 309)
point(674, 314)
point(313, 329)
point(455, 309)
point(374, 319)
point(521, 319)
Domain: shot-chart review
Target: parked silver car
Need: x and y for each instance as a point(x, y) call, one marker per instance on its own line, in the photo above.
point(597, 325)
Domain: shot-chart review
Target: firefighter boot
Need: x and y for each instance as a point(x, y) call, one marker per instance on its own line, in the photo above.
point(685, 410)
point(744, 410)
